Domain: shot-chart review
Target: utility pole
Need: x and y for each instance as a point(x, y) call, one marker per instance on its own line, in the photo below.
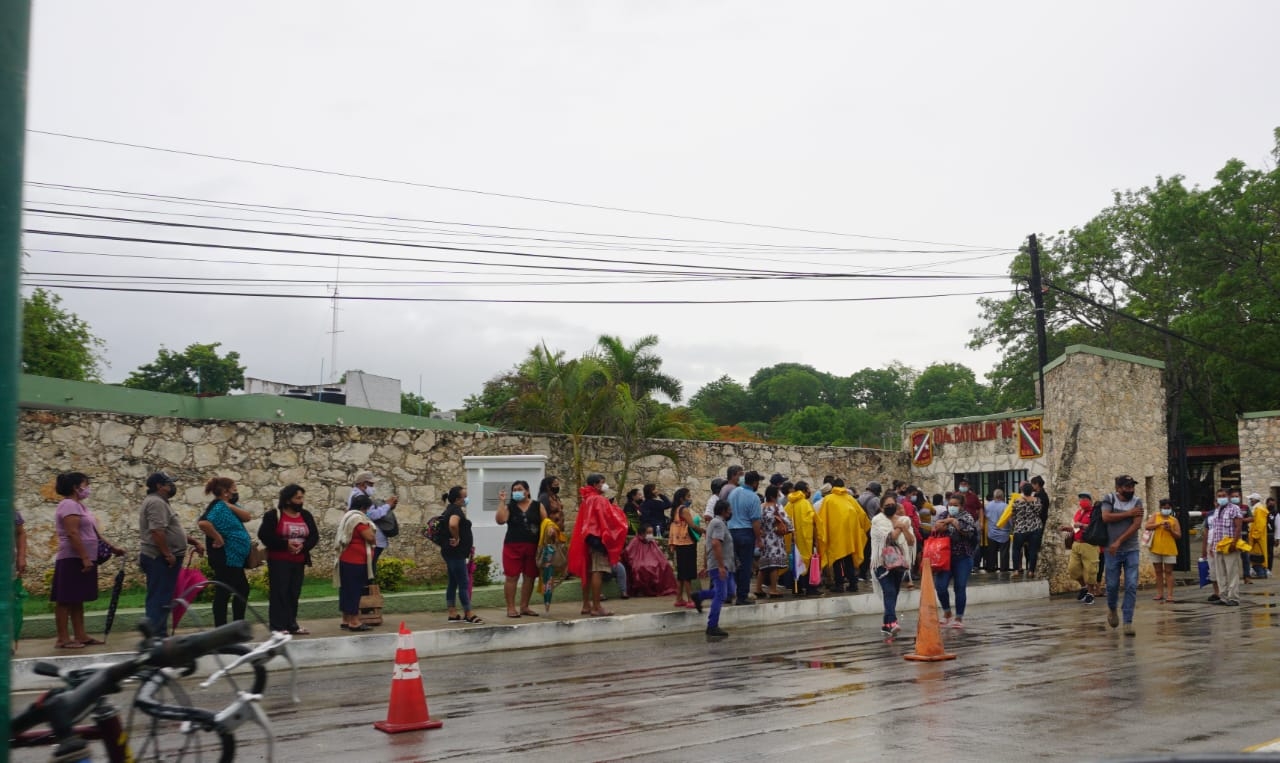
point(1037, 299)
point(15, 30)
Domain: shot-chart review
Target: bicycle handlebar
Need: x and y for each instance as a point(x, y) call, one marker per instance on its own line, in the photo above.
point(62, 709)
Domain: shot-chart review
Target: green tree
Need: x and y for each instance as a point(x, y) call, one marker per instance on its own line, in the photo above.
point(637, 367)
point(636, 424)
point(724, 401)
point(495, 404)
point(945, 390)
point(415, 405)
point(787, 387)
point(573, 397)
point(196, 370)
point(56, 342)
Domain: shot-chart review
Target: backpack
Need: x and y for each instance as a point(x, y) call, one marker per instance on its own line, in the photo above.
point(437, 530)
point(388, 524)
point(1096, 533)
point(891, 557)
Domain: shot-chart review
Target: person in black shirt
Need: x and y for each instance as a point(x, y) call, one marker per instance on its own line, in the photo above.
point(653, 511)
point(523, 517)
point(455, 551)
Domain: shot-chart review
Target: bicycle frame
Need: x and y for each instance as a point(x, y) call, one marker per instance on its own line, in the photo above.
point(107, 728)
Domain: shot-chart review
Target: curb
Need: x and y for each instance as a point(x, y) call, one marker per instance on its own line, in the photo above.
point(351, 650)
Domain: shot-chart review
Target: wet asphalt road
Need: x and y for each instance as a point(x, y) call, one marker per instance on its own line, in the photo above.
point(1032, 681)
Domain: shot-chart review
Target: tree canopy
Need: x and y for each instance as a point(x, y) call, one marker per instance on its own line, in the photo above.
point(196, 370)
point(1182, 274)
point(56, 342)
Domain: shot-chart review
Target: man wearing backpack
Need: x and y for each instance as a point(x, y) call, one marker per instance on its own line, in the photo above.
point(1123, 513)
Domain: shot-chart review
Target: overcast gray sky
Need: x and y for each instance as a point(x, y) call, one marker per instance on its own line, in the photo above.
point(963, 123)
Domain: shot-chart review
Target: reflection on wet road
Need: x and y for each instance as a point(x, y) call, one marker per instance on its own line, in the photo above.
point(1046, 680)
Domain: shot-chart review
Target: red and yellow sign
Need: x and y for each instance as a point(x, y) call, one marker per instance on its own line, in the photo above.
point(921, 447)
point(1031, 437)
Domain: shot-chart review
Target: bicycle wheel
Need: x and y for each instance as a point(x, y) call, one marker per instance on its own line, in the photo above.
point(165, 725)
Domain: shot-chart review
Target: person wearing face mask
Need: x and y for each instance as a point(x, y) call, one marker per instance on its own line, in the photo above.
point(75, 569)
point(223, 524)
point(1225, 523)
point(653, 510)
point(1271, 534)
point(599, 534)
point(164, 543)
point(971, 502)
point(884, 531)
point(1123, 512)
point(455, 552)
point(549, 495)
point(1246, 531)
point(683, 547)
point(1028, 531)
point(364, 485)
point(288, 533)
point(721, 565)
point(963, 531)
point(1083, 564)
point(648, 571)
point(1165, 531)
point(523, 517)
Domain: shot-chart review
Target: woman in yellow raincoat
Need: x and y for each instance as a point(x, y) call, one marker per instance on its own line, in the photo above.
point(803, 519)
point(843, 529)
point(1260, 555)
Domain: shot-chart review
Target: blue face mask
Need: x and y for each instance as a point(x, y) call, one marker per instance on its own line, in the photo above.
point(1166, 512)
point(517, 495)
point(953, 511)
point(466, 501)
point(1223, 502)
point(1235, 499)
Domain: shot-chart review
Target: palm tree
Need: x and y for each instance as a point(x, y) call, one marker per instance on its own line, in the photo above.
point(569, 396)
point(636, 423)
point(637, 368)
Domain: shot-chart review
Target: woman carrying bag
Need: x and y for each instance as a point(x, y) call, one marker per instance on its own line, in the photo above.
point(355, 539)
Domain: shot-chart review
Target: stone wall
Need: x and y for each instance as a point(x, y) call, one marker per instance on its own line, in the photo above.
point(1260, 453)
point(1104, 416)
point(118, 451)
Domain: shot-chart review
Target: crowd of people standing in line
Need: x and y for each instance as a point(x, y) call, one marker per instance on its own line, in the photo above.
point(758, 544)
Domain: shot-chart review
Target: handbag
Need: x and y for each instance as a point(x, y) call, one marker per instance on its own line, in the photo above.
point(891, 557)
point(104, 552)
point(256, 558)
point(937, 551)
point(1145, 538)
point(815, 570)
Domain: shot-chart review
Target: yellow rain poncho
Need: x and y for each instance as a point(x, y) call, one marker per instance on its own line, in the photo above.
point(1258, 532)
point(802, 516)
point(842, 528)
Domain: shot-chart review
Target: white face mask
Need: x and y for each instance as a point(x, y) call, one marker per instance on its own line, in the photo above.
point(1166, 512)
point(604, 487)
point(369, 491)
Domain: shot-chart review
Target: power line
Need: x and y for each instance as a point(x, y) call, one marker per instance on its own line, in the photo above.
point(280, 250)
point(483, 300)
point(477, 192)
point(318, 214)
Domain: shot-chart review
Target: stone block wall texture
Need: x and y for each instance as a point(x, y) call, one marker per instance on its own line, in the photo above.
point(117, 452)
point(1260, 454)
point(1104, 417)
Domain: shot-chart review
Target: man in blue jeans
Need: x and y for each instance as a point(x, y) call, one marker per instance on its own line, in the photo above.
point(744, 527)
point(720, 565)
point(163, 545)
point(1123, 513)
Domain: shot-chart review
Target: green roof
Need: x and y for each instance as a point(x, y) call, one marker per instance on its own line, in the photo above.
point(972, 419)
point(62, 394)
point(1113, 355)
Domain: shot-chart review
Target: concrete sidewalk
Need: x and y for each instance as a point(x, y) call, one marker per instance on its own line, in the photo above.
point(633, 618)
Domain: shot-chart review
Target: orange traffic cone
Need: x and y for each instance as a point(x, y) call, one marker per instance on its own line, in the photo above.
point(928, 634)
point(407, 710)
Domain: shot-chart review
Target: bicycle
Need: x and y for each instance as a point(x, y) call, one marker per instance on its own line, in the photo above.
point(88, 689)
point(174, 728)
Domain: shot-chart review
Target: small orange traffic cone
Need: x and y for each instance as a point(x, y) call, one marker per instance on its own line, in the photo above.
point(928, 634)
point(407, 710)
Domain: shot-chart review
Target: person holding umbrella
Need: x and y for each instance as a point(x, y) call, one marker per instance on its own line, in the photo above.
point(163, 544)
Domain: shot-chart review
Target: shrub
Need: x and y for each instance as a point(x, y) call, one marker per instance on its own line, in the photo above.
point(484, 565)
point(392, 571)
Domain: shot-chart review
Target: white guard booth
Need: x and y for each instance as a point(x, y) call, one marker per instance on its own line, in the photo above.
point(486, 475)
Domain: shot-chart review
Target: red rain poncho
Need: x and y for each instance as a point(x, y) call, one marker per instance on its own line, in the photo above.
point(596, 516)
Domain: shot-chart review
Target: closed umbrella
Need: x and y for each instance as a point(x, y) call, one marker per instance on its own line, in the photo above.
point(190, 585)
point(471, 573)
point(116, 587)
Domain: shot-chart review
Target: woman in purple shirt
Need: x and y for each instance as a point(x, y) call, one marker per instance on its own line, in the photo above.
point(75, 570)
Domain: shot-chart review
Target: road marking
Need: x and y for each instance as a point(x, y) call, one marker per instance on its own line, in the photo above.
point(1272, 746)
